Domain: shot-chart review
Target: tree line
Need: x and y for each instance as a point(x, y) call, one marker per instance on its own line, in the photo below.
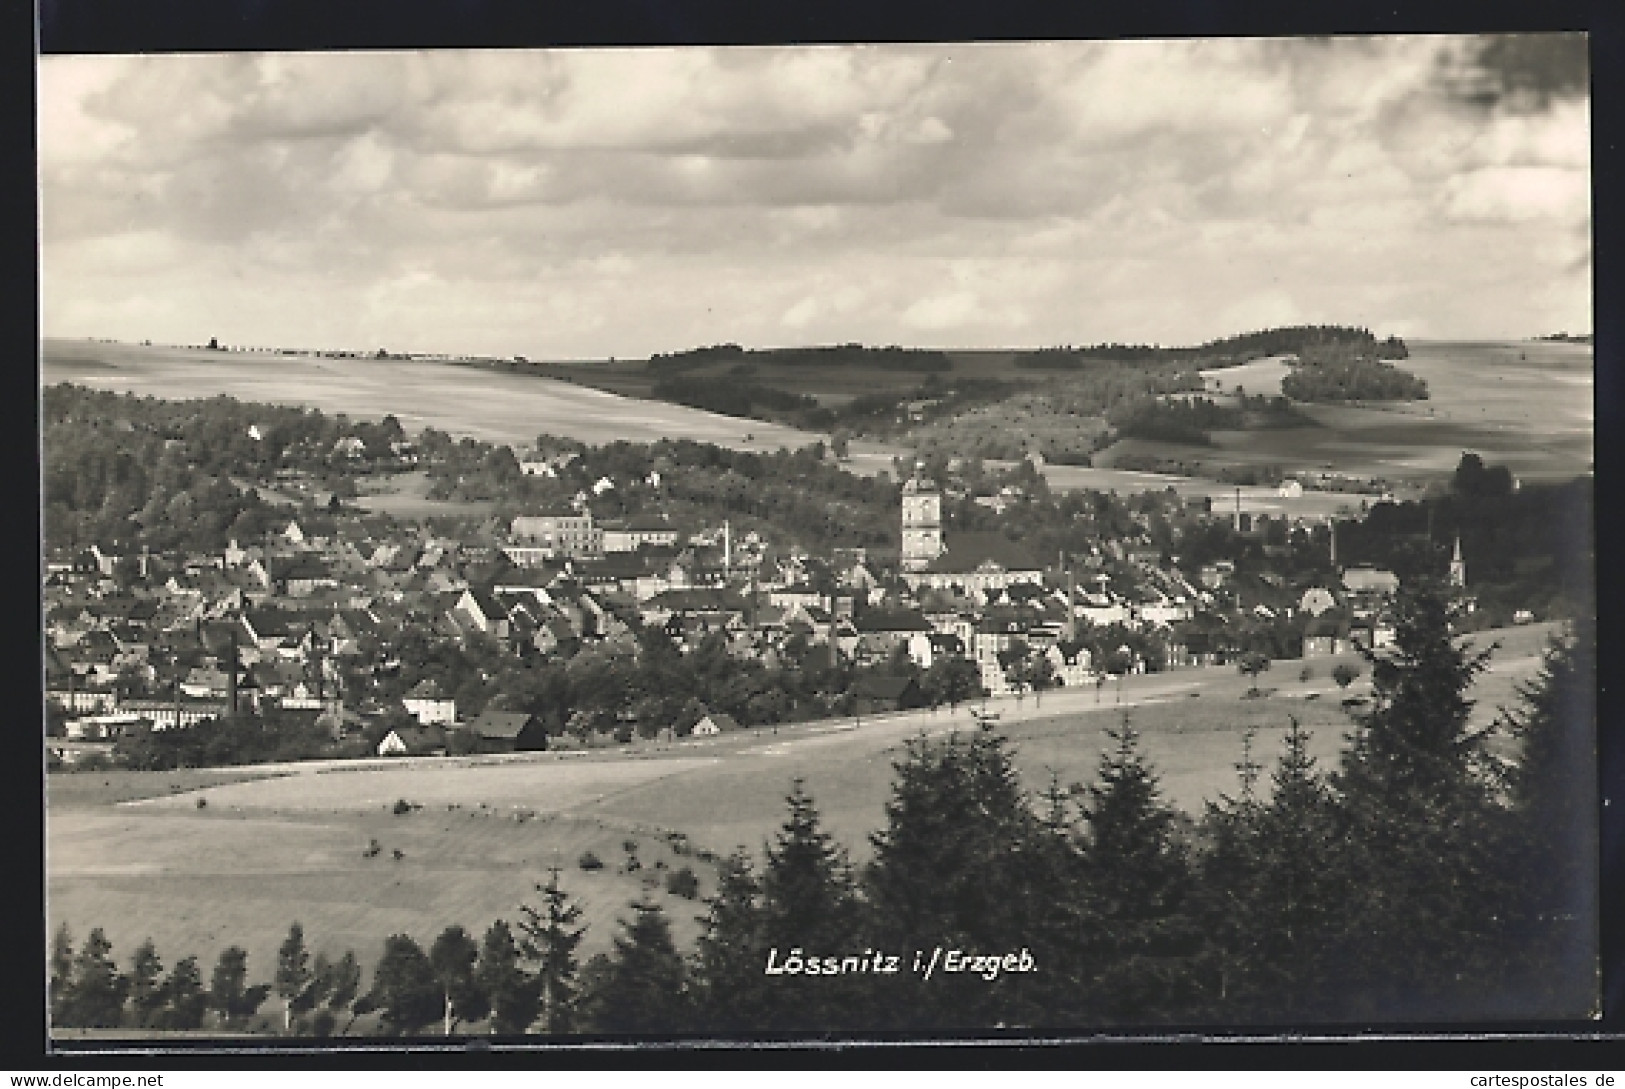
point(1437, 871)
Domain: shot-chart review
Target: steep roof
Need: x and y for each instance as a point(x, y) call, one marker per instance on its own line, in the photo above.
point(968, 552)
point(881, 688)
point(500, 725)
point(876, 620)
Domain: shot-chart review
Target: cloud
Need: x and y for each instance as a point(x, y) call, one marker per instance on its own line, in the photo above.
point(625, 201)
point(1518, 194)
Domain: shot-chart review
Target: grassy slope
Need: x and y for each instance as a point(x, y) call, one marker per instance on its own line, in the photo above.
point(195, 880)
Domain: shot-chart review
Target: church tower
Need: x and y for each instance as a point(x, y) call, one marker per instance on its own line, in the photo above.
point(1458, 567)
point(922, 523)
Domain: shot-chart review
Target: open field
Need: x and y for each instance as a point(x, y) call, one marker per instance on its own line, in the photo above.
point(263, 853)
point(1525, 404)
point(491, 405)
point(406, 496)
point(831, 385)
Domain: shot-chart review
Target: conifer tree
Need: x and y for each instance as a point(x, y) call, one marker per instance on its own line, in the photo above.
point(61, 973)
point(185, 1000)
point(293, 972)
point(96, 997)
point(807, 885)
point(513, 995)
point(1419, 806)
point(548, 940)
point(452, 958)
point(1549, 851)
point(404, 990)
point(147, 996)
point(229, 992)
point(729, 965)
point(1272, 891)
point(343, 992)
point(644, 988)
point(1136, 869)
point(954, 868)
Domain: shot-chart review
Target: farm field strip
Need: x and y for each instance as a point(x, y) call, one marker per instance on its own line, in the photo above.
point(543, 787)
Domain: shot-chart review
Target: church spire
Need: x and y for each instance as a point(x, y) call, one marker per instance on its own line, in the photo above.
point(1458, 567)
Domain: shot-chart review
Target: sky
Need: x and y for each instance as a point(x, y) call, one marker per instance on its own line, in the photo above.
point(591, 203)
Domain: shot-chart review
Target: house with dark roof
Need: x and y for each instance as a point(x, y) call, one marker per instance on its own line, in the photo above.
point(977, 563)
point(413, 741)
point(873, 694)
point(507, 731)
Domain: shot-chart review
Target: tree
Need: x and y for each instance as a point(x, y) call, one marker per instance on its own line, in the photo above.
point(186, 1002)
point(1251, 665)
point(1136, 868)
point(147, 998)
point(452, 957)
point(1345, 674)
point(229, 993)
point(807, 886)
point(1418, 847)
point(548, 939)
point(343, 992)
point(954, 866)
point(645, 985)
point(1272, 890)
point(515, 999)
point(404, 989)
point(728, 963)
point(293, 973)
point(96, 996)
point(61, 987)
point(1550, 848)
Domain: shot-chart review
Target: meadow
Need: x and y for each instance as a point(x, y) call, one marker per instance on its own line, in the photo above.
point(135, 854)
point(1524, 404)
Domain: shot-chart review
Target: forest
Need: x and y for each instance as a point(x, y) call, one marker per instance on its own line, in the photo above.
point(1436, 872)
point(1337, 373)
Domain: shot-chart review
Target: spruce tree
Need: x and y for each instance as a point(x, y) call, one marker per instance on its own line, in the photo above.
point(1272, 893)
point(1419, 810)
point(1137, 875)
point(96, 998)
point(452, 958)
point(343, 989)
point(229, 992)
point(955, 868)
point(293, 972)
point(147, 996)
point(404, 990)
point(729, 964)
point(1549, 849)
point(61, 963)
point(808, 902)
point(548, 940)
point(807, 886)
point(645, 987)
point(185, 1000)
point(513, 995)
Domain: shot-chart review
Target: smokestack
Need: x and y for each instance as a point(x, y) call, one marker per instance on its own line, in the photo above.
point(727, 550)
point(1334, 544)
point(231, 675)
point(1238, 510)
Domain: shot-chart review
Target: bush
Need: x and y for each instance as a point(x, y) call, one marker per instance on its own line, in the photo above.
point(203, 803)
point(1307, 673)
point(683, 883)
point(401, 806)
point(373, 849)
point(1344, 675)
point(590, 861)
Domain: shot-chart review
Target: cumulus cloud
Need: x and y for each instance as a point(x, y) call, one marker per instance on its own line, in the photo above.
point(588, 202)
